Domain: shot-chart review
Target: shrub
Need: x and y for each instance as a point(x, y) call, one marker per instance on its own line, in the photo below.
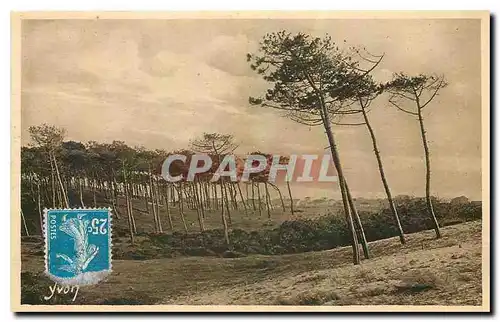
point(302, 235)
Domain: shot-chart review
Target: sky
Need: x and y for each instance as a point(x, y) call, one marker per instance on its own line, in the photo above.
point(161, 83)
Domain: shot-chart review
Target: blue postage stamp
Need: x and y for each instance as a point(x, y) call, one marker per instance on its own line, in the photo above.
point(78, 245)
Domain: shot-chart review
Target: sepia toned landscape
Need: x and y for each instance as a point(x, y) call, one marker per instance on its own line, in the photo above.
point(397, 103)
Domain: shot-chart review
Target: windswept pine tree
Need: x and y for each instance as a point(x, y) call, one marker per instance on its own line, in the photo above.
point(363, 92)
point(419, 91)
point(49, 139)
point(310, 81)
point(219, 145)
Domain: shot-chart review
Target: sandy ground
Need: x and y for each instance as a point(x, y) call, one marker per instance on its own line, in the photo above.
point(445, 272)
point(425, 271)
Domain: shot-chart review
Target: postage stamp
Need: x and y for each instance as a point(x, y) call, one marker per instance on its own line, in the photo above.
point(78, 245)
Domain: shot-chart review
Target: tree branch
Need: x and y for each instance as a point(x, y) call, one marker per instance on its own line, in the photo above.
point(402, 109)
point(349, 124)
point(438, 87)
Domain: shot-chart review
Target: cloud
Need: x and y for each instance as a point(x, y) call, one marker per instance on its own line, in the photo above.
point(159, 83)
point(164, 64)
point(228, 53)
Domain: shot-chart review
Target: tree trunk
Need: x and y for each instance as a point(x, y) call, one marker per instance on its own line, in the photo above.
point(129, 211)
point(364, 243)
point(242, 199)
point(199, 191)
point(226, 202)
point(60, 199)
point(336, 161)
point(66, 189)
point(216, 197)
point(169, 216)
point(234, 195)
point(189, 196)
point(94, 194)
point(157, 196)
point(40, 211)
point(199, 206)
point(172, 194)
point(229, 195)
point(269, 197)
point(268, 201)
point(207, 195)
point(430, 208)
point(181, 207)
point(146, 199)
point(258, 199)
point(63, 192)
point(151, 192)
point(280, 195)
point(253, 197)
point(290, 194)
point(24, 223)
point(132, 213)
point(52, 182)
point(224, 221)
point(392, 206)
point(114, 194)
point(246, 192)
point(81, 192)
point(129, 218)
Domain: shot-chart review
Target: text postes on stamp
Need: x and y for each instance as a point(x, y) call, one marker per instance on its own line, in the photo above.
point(77, 245)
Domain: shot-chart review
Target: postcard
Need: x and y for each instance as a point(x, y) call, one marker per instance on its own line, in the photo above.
point(250, 161)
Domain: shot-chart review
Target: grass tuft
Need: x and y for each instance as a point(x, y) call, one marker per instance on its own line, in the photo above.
point(309, 298)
